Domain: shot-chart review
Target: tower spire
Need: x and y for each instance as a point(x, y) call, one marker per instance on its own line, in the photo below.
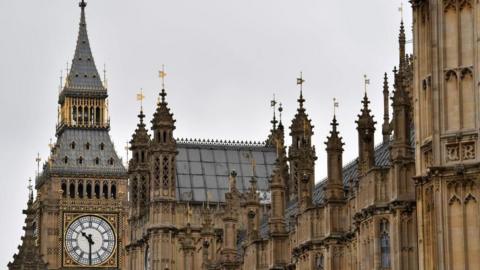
point(300, 82)
point(274, 121)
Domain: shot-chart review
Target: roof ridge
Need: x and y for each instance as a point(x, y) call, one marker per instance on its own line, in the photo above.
point(220, 142)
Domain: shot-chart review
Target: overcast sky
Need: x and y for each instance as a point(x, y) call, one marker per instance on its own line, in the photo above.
point(224, 61)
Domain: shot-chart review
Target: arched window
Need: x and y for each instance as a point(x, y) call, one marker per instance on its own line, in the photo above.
point(164, 137)
point(143, 156)
point(102, 146)
point(89, 190)
point(97, 190)
point(65, 159)
point(87, 146)
point(113, 192)
point(85, 116)
point(110, 161)
point(97, 161)
point(80, 190)
point(97, 116)
point(105, 191)
point(136, 157)
point(91, 115)
point(74, 115)
point(72, 145)
point(80, 160)
point(72, 190)
point(64, 190)
point(80, 115)
point(385, 243)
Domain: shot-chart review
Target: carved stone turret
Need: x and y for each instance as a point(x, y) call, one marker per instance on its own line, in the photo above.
point(334, 187)
point(28, 256)
point(162, 152)
point(301, 153)
point(229, 250)
point(366, 134)
point(386, 128)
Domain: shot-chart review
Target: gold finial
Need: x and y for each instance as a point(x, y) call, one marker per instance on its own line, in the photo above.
point(140, 97)
point(401, 10)
point(366, 82)
point(50, 144)
point(300, 80)
point(335, 106)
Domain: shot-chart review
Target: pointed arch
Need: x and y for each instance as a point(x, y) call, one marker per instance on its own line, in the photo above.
point(384, 243)
point(452, 101)
point(467, 99)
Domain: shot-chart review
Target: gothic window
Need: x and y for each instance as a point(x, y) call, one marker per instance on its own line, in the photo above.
point(72, 190)
point(143, 156)
point(97, 190)
point(65, 159)
point(110, 161)
point(165, 173)
point(164, 137)
point(72, 145)
point(319, 262)
point(80, 160)
point(134, 190)
point(85, 116)
point(80, 115)
point(143, 193)
point(89, 190)
point(64, 190)
point(385, 244)
point(105, 191)
point(97, 116)
point(80, 190)
point(87, 146)
point(136, 157)
point(97, 161)
point(156, 174)
point(113, 192)
point(102, 146)
point(91, 115)
point(74, 115)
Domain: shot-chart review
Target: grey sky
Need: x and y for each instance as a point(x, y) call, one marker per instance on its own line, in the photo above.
point(224, 61)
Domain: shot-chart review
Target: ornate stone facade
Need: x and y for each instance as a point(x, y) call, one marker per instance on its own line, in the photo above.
point(409, 202)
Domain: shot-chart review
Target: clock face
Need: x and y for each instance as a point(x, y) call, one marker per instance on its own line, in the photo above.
point(90, 240)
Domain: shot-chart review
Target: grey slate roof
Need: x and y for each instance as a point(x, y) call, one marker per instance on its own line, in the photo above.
point(83, 77)
point(203, 168)
point(82, 137)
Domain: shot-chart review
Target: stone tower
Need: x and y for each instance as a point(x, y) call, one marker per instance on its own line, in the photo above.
point(81, 202)
point(446, 64)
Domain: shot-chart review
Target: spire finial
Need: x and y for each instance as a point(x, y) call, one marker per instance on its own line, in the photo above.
point(162, 74)
point(280, 110)
point(30, 189)
point(366, 82)
point(400, 9)
point(105, 82)
point(273, 104)
point(300, 82)
point(38, 159)
point(82, 4)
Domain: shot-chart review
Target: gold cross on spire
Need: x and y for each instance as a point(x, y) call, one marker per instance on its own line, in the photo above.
point(366, 82)
point(140, 97)
point(335, 106)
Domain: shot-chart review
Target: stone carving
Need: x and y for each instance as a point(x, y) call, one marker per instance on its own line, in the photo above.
point(452, 152)
point(468, 151)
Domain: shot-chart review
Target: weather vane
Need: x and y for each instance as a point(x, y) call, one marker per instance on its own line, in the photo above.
point(162, 74)
point(335, 106)
point(366, 82)
point(140, 97)
point(300, 81)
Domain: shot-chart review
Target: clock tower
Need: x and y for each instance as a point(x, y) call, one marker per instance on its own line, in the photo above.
point(82, 192)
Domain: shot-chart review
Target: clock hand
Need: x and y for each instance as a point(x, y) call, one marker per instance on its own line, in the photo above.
point(90, 243)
